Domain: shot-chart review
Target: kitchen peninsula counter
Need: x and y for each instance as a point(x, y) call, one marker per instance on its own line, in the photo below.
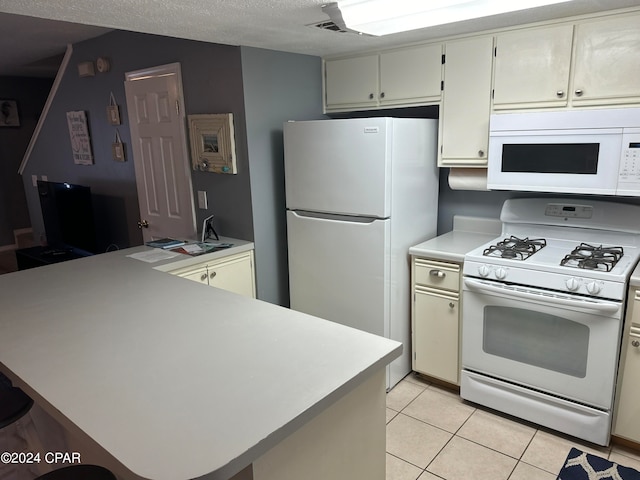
point(175, 380)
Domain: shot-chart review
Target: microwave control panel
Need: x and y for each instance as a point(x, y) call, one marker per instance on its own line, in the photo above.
point(629, 172)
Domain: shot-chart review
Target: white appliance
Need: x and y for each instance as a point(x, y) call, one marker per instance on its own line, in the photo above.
point(571, 151)
point(543, 310)
point(359, 193)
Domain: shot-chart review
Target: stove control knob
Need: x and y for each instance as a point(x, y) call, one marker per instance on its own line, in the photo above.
point(594, 287)
point(501, 273)
point(484, 270)
point(572, 284)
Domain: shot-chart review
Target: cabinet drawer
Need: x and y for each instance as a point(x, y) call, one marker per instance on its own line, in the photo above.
point(437, 274)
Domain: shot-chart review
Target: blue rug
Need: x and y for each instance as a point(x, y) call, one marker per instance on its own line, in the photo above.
point(584, 466)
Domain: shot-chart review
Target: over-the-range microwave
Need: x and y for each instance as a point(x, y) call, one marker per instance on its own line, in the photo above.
point(595, 151)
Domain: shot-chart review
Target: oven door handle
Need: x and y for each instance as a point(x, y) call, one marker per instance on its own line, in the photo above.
point(599, 306)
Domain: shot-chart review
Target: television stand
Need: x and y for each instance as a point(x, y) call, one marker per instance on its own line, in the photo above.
point(39, 256)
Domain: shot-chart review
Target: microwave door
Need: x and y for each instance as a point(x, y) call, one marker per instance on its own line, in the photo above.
point(576, 162)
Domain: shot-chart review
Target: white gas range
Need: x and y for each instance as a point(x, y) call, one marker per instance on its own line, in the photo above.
point(543, 307)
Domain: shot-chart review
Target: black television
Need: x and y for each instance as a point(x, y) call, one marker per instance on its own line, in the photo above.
point(67, 212)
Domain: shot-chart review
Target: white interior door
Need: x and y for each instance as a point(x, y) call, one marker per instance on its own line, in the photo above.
point(339, 270)
point(158, 140)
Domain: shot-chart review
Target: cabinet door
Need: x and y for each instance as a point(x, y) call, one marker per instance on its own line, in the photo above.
point(466, 105)
point(435, 334)
point(196, 273)
point(411, 75)
point(234, 274)
point(351, 82)
point(607, 69)
point(532, 68)
point(627, 413)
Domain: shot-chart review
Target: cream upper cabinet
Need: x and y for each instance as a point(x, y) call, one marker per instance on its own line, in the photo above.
point(411, 75)
point(532, 67)
point(351, 83)
point(607, 62)
point(466, 103)
point(404, 77)
point(627, 408)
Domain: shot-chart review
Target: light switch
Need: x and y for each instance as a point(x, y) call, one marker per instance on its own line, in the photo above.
point(34, 180)
point(202, 199)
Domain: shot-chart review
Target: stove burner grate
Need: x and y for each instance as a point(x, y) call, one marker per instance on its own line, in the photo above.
point(515, 248)
point(590, 257)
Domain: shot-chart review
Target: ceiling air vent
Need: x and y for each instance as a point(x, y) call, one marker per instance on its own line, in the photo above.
point(328, 25)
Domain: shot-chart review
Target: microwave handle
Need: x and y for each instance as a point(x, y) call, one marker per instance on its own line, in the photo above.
point(598, 306)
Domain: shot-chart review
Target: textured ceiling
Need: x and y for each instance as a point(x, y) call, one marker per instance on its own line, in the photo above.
point(26, 37)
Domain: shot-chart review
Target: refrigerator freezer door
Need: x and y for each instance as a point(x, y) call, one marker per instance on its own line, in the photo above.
point(339, 166)
point(337, 270)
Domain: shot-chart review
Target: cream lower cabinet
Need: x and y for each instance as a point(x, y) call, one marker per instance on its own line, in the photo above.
point(627, 407)
point(234, 273)
point(435, 318)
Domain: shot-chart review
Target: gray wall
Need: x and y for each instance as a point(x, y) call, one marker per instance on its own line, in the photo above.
point(31, 95)
point(212, 83)
point(489, 204)
point(277, 87)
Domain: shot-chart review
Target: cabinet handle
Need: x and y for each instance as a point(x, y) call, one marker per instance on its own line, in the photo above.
point(560, 93)
point(481, 153)
point(635, 343)
point(382, 95)
point(203, 277)
point(451, 304)
point(579, 93)
point(437, 273)
point(212, 274)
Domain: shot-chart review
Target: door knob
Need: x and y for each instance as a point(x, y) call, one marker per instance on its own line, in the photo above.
point(635, 343)
point(143, 224)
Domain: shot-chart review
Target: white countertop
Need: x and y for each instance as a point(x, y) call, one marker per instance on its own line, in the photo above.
point(467, 234)
point(174, 379)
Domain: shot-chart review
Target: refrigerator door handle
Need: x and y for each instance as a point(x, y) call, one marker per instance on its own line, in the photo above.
point(335, 217)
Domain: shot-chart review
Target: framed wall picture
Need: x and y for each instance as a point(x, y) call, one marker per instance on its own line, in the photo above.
point(80, 140)
point(9, 113)
point(213, 146)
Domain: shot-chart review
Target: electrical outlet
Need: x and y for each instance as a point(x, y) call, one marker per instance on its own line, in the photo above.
point(45, 178)
point(202, 200)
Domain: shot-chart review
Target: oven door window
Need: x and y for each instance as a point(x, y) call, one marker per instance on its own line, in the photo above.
point(535, 338)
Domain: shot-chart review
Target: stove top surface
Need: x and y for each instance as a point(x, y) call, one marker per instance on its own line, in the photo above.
point(563, 256)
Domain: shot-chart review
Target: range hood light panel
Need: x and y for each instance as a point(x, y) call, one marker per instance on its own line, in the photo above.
point(383, 17)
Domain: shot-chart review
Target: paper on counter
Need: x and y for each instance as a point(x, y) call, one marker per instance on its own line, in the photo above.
point(153, 255)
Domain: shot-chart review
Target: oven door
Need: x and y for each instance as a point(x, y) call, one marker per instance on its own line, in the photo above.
point(562, 344)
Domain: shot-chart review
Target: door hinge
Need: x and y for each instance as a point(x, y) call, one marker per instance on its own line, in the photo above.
point(443, 56)
point(495, 51)
point(493, 93)
point(177, 107)
point(442, 85)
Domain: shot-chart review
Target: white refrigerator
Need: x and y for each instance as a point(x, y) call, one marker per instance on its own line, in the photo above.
point(359, 193)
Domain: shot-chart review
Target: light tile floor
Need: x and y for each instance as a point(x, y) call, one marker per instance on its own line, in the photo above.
point(433, 434)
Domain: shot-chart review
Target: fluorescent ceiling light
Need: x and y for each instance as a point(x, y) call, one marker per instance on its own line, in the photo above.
point(382, 17)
